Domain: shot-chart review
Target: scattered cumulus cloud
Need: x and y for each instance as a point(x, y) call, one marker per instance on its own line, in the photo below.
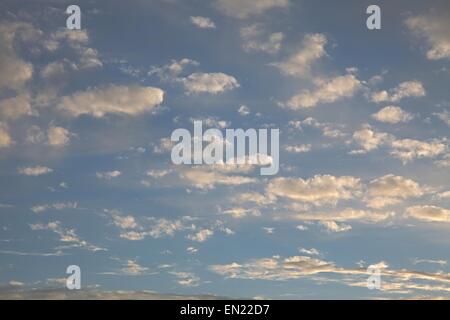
point(203, 22)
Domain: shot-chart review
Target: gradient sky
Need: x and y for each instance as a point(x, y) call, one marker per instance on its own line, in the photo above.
point(86, 176)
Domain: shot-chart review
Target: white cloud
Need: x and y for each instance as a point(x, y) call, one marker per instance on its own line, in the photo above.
point(108, 175)
point(327, 91)
point(253, 197)
point(124, 222)
point(35, 134)
point(390, 189)
point(256, 39)
point(369, 139)
point(439, 262)
point(242, 9)
point(392, 114)
point(201, 236)
point(444, 162)
point(55, 206)
point(444, 116)
point(186, 279)
point(435, 30)
point(172, 70)
point(213, 83)
point(66, 235)
point(132, 268)
point(207, 179)
point(242, 212)
point(332, 226)
point(244, 110)
point(129, 100)
point(348, 214)
point(203, 22)
point(5, 138)
point(53, 70)
point(319, 190)
point(403, 90)
point(164, 227)
point(158, 173)
point(58, 136)
point(409, 149)
point(15, 283)
point(15, 107)
point(298, 148)
point(299, 64)
point(77, 40)
point(14, 72)
point(309, 252)
point(429, 213)
point(34, 171)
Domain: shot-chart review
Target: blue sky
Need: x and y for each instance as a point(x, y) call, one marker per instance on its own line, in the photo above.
point(87, 178)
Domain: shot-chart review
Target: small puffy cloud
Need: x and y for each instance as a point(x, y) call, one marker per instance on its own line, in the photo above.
point(212, 122)
point(213, 83)
point(327, 91)
point(403, 90)
point(55, 206)
point(203, 22)
point(392, 114)
point(242, 212)
point(58, 136)
point(298, 148)
point(186, 279)
point(34, 171)
point(172, 70)
point(108, 175)
point(124, 222)
point(332, 226)
point(390, 189)
point(255, 39)
point(409, 149)
point(208, 179)
point(14, 72)
point(16, 107)
point(444, 162)
point(244, 110)
point(299, 64)
point(53, 70)
point(15, 283)
point(66, 235)
point(132, 268)
point(444, 116)
point(253, 197)
point(35, 135)
point(191, 250)
point(309, 252)
point(429, 213)
point(369, 139)
point(115, 99)
point(201, 236)
point(77, 40)
point(242, 9)
point(5, 138)
point(158, 173)
point(165, 227)
point(434, 29)
point(319, 190)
